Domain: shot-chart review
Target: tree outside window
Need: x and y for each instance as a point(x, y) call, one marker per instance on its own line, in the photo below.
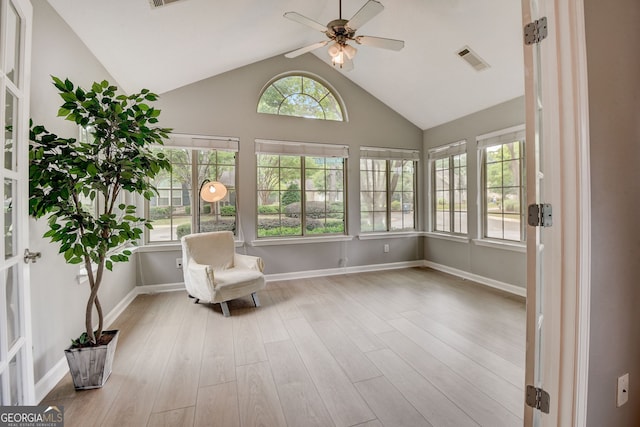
point(449, 189)
point(503, 173)
point(300, 96)
point(300, 195)
point(178, 194)
point(387, 194)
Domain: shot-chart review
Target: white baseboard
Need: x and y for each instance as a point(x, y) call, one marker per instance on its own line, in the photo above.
point(120, 307)
point(341, 270)
point(507, 287)
point(156, 289)
point(50, 379)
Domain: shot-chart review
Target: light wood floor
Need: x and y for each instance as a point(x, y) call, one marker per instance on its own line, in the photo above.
point(410, 347)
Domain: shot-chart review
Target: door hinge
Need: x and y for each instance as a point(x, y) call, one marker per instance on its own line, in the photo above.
point(536, 31)
point(540, 215)
point(537, 398)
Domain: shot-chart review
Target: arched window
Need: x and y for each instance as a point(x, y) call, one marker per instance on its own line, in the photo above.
point(300, 96)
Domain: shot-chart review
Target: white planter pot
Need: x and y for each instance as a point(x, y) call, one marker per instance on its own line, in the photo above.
point(90, 367)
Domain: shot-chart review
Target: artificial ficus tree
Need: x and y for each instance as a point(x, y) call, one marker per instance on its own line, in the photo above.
point(67, 174)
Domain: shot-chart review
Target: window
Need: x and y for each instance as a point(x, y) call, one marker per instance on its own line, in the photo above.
point(502, 157)
point(300, 96)
point(387, 189)
point(193, 160)
point(300, 189)
point(448, 172)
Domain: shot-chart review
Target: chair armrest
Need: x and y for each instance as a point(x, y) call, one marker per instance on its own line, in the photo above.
point(202, 280)
point(249, 261)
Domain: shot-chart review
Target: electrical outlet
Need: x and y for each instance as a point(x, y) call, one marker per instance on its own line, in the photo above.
point(623, 389)
point(386, 248)
point(178, 263)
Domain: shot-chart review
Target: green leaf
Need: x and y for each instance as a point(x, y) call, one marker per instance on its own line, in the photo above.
point(68, 96)
point(68, 254)
point(92, 169)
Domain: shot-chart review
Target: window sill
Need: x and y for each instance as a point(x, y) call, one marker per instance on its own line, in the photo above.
point(170, 247)
point(444, 236)
point(388, 235)
point(497, 244)
point(299, 240)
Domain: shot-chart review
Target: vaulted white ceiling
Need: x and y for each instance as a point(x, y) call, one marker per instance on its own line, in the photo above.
point(183, 42)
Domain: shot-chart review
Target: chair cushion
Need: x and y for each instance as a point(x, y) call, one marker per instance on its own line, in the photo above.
point(236, 282)
point(215, 249)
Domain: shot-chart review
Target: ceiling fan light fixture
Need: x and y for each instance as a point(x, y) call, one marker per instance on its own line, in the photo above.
point(334, 49)
point(350, 51)
point(341, 31)
point(338, 59)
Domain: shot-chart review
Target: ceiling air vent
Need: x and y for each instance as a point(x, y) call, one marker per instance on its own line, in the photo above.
point(473, 59)
point(159, 3)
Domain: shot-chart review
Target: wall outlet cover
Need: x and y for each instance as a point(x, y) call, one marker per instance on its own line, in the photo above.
point(623, 390)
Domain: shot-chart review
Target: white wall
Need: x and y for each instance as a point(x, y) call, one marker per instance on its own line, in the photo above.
point(502, 265)
point(58, 300)
point(613, 67)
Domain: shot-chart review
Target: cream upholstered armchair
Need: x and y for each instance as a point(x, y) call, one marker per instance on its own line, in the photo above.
point(214, 273)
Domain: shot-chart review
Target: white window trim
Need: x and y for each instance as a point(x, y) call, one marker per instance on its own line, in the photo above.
point(461, 238)
point(433, 154)
point(270, 241)
point(383, 153)
point(510, 134)
point(379, 235)
point(194, 142)
point(298, 148)
point(509, 245)
point(303, 149)
point(208, 142)
point(329, 86)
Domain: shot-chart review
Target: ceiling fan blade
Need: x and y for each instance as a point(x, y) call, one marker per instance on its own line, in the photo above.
point(295, 16)
point(306, 49)
point(391, 44)
point(365, 14)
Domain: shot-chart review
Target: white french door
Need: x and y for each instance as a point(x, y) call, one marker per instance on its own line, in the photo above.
point(16, 360)
point(557, 174)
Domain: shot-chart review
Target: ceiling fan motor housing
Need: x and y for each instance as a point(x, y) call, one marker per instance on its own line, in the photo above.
point(338, 31)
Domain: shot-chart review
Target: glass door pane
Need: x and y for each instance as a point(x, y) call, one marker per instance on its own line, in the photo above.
point(12, 46)
point(16, 361)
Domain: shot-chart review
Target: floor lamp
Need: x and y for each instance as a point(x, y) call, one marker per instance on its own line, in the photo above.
point(211, 191)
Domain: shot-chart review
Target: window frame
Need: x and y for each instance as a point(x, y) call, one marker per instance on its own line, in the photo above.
point(389, 155)
point(448, 151)
point(303, 150)
point(492, 139)
point(305, 75)
point(196, 144)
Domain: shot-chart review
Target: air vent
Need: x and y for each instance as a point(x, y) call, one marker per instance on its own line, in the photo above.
point(159, 3)
point(473, 59)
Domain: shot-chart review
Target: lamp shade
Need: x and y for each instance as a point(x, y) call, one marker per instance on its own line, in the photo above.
point(213, 191)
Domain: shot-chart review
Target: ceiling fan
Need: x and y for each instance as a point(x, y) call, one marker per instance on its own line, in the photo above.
point(341, 31)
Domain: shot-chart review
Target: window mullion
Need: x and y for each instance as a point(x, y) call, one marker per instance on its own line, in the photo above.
point(451, 195)
point(523, 199)
point(195, 193)
point(485, 206)
point(388, 177)
point(303, 196)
